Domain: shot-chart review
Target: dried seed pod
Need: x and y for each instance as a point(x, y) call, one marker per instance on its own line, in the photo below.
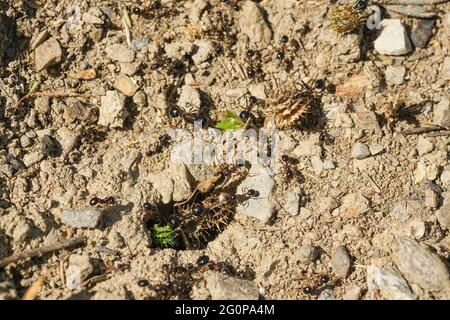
point(345, 17)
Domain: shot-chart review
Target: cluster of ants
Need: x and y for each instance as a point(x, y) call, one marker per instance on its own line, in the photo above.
point(181, 279)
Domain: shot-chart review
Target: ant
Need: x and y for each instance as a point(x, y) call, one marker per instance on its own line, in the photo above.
point(244, 197)
point(175, 111)
point(155, 10)
point(290, 170)
point(246, 114)
point(317, 283)
point(104, 202)
point(253, 61)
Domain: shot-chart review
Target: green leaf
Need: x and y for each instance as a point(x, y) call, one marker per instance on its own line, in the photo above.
point(34, 86)
point(231, 122)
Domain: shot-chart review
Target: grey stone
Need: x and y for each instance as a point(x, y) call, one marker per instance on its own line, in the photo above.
point(389, 282)
point(48, 54)
point(419, 265)
point(39, 39)
point(81, 218)
point(120, 53)
point(112, 110)
point(68, 139)
point(423, 32)
point(393, 39)
point(395, 75)
point(307, 253)
point(253, 24)
point(340, 262)
point(263, 207)
point(360, 151)
point(441, 112)
point(129, 68)
point(223, 287)
point(443, 214)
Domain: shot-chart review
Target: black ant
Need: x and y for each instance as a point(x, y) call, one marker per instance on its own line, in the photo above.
point(317, 284)
point(326, 138)
point(155, 10)
point(175, 111)
point(253, 61)
point(244, 197)
point(106, 201)
point(290, 170)
point(246, 114)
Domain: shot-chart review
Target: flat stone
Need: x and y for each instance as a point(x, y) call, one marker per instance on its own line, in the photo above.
point(39, 39)
point(253, 24)
point(112, 110)
point(395, 75)
point(423, 32)
point(389, 283)
point(340, 262)
point(93, 16)
point(125, 85)
point(129, 68)
point(441, 112)
point(393, 39)
point(360, 151)
point(223, 287)
point(203, 50)
point(376, 149)
point(33, 158)
point(81, 218)
point(419, 265)
point(120, 53)
point(22, 231)
point(263, 207)
point(48, 54)
point(424, 146)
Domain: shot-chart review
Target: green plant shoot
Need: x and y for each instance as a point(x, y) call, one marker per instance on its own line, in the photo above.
point(164, 237)
point(231, 122)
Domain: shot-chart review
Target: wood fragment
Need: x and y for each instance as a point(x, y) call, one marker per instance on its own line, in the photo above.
point(412, 2)
point(42, 250)
point(421, 130)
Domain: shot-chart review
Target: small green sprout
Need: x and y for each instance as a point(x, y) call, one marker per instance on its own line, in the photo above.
point(164, 237)
point(231, 122)
point(34, 86)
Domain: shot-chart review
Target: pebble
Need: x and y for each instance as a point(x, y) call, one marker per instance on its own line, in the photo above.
point(423, 32)
point(48, 54)
point(84, 265)
point(326, 294)
point(395, 75)
point(68, 139)
point(22, 231)
point(39, 39)
point(441, 112)
point(189, 98)
point(120, 53)
point(202, 49)
point(307, 148)
point(329, 165)
point(424, 146)
point(130, 68)
point(223, 287)
point(182, 181)
point(81, 218)
point(125, 85)
point(32, 158)
point(376, 149)
point(443, 214)
point(253, 24)
point(393, 39)
point(431, 199)
point(263, 207)
point(445, 72)
point(389, 283)
point(112, 110)
point(307, 253)
point(360, 151)
point(403, 209)
point(292, 202)
point(354, 293)
point(419, 265)
point(340, 262)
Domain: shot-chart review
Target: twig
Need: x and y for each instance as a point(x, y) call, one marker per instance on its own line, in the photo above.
point(411, 2)
point(33, 291)
point(420, 130)
point(42, 250)
point(47, 94)
point(439, 134)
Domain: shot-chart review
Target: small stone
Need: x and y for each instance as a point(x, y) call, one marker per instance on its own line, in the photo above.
point(68, 139)
point(307, 253)
point(393, 39)
point(376, 149)
point(419, 265)
point(125, 85)
point(253, 24)
point(80, 268)
point(81, 218)
point(48, 54)
point(441, 112)
point(424, 146)
point(326, 294)
point(263, 207)
point(292, 203)
point(354, 293)
point(22, 231)
point(202, 49)
point(404, 209)
point(93, 16)
point(329, 165)
point(223, 287)
point(445, 72)
point(352, 231)
point(120, 53)
point(422, 33)
point(32, 158)
point(112, 110)
point(130, 68)
point(182, 181)
point(189, 98)
point(395, 75)
point(360, 151)
point(354, 205)
point(431, 199)
point(340, 262)
point(25, 141)
point(39, 39)
point(389, 283)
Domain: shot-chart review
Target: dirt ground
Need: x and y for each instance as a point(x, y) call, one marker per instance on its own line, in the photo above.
point(85, 97)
